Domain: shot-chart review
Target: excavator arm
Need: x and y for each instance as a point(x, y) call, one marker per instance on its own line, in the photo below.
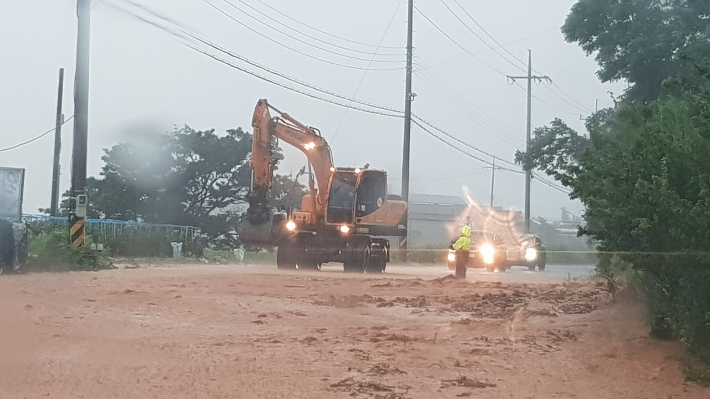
point(267, 131)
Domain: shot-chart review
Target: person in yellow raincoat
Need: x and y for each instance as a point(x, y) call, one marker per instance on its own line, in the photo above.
point(462, 247)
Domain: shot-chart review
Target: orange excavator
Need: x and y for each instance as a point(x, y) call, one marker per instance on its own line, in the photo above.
point(345, 216)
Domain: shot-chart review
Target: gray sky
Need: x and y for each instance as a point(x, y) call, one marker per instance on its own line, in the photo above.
point(143, 79)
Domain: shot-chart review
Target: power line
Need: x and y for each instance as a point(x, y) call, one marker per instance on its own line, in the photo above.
point(349, 106)
point(256, 75)
point(468, 145)
point(284, 76)
point(464, 111)
point(481, 120)
point(550, 184)
point(298, 51)
point(457, 43)
point(442, 178)
point(476, 35)
point(489, 35)
point(505, 44)
point(36, 138)
point(568, 96)
point(417, 120)
point(546, 104)
point(375, 53)
point(362, 79)
point(184, 34)
point(323, 32)
point(511, 54)
point(293, 37)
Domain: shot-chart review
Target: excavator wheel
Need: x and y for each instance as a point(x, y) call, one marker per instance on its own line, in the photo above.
point(286, 256)
point(360, 262)
point(377, 265)
point(309, 265)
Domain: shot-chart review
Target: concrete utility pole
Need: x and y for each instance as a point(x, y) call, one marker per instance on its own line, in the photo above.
point(493, 179)
point(528, 173)
point(408, 98)
point(53, 205)
point(81, 125)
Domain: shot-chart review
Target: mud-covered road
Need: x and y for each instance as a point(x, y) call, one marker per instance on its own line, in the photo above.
point(250, 332)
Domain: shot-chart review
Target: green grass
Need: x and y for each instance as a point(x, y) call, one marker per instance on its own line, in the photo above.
point(50, 251)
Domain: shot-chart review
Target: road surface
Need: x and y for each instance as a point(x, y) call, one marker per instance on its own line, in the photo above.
point(239, 331)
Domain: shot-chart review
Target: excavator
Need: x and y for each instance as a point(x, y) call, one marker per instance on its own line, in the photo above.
point(345, 216)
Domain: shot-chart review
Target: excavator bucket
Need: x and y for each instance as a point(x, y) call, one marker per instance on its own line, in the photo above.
point(267, 231)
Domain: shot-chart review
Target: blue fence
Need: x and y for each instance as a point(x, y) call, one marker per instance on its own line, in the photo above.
point(112, 228)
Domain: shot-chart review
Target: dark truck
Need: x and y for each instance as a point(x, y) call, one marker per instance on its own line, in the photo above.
point(487, 251)
point(529, 252)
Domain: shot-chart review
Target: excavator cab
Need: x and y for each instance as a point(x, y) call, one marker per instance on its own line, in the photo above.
point(341, 199)
point(354, 194)
point(371, 192)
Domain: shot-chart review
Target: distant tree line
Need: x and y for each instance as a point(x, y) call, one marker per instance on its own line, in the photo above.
point(185, 177)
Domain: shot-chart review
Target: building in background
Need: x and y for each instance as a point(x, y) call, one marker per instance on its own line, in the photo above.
point(431, 217)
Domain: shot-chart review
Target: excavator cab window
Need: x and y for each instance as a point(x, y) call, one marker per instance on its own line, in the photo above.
point(342, 198)
point(371, 193)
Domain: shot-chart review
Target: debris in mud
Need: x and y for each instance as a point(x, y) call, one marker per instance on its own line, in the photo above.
point(387, 284)
point(309, 340)
point(401, 338)
point(348, 301)
point(561, 336)
point(418, 302)
point(464, 381)
point(383, 369)
point(449, 278)
point(296, 313)
point(258, 322)
point(351, 385)
point(380, 328)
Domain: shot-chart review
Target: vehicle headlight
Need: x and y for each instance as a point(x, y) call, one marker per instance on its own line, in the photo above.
point(291, 225)
point(530, 253)
point(487, 251)
point(344, 229)
point(488, 260)
point(451, 257)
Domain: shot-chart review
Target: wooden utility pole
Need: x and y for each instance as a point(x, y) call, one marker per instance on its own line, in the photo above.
point(54, 204)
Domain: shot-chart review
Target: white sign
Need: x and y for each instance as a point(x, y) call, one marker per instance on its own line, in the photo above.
point(12, 182)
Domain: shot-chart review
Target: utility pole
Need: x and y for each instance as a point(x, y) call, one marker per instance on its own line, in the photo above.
point(528, 173)
point(81, 125)
point(57, 147)
point(493, 179)
point(408, 98)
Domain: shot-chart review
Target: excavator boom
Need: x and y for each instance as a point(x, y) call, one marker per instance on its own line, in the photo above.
point(267, 131)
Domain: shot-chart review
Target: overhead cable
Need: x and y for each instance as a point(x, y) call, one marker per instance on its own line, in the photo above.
point(298, 51)
point(35, 138)
point(375, 53)
point(324, 32)
point(291, 36)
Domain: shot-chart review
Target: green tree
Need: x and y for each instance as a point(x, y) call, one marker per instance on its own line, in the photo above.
point(186, 177)
point(643, 42)
point(644, 179)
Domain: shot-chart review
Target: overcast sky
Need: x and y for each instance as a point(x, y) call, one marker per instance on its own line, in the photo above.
point(144, 79)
